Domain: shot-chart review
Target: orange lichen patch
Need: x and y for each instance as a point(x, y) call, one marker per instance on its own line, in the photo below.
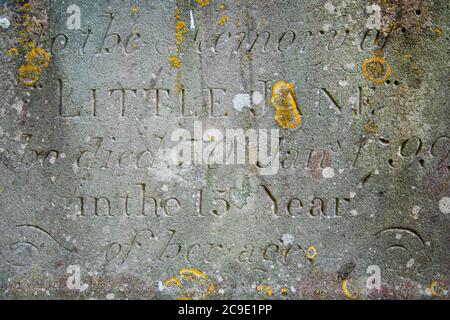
point(38, 57)
point(29, 74)
point(376, 69)
point(180, 30)
point(13, 52)
point(174, 61)
point(180, 25)
point(347, 292)
point(283, 100)
point(202, 3)
point(265, 289)
point(223, 20)
point(311, 253)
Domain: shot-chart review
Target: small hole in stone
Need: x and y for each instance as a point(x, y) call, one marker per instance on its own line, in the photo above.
point(321, 32)
point(388, 81)
point(396, 83)
point(418, 12)
point(403, 30)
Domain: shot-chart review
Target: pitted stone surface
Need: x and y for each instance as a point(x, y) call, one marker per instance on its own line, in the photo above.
point(92, 92)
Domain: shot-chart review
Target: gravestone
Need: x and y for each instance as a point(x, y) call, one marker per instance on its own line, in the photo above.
point(224, 149)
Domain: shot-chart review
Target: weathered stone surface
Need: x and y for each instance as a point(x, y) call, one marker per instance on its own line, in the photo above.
point(92, 207)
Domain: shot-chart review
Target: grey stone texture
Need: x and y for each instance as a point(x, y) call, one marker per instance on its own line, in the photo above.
point(92, 208)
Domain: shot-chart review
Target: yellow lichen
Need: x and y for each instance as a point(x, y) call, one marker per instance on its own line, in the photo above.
point(265, 289)
point(311, 253)
point(283, 100)
point(29, 74)
point(134, 9)
point(221, 7)
point(436, 285)
point(180, 26)
point(223, 20)
point(172, 281)
point(191, 272)
point(376, 69)
point(191, 275)
point(25, 20)
point(284, 291)
point(371, 127)
point(26, 7)
point(203, 3)
point(180, 30)
point(174, 61)
point(13, 52)
point(345, 289)
point(38, 57)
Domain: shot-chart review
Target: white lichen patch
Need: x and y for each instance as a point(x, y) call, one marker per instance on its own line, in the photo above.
point(328, 172)
point(415, 212)
point(329, 6)
point(444, 205)
point(110, 296)
point(257, 98)
point(242, 100)
point(4, 23)
point(287, 239)
point(192, 26)
point(343, 83)
point(18, 106)
point(374, 20)
point(327, 27)
point(52, 159)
